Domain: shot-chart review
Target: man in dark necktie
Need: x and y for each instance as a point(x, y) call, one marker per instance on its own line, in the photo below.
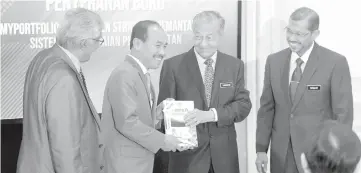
point(215, 82)
point(304, 85)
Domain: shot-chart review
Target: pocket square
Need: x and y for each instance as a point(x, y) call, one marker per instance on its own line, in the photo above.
point(313, 87)
point(226, 85)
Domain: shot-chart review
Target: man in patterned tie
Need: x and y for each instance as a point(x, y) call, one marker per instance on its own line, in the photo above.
point(215, 82)
point(304, 85)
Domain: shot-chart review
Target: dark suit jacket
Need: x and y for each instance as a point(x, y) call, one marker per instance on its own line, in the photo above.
point(128, 121)
point(181, 79)
point(60, 125)
point(278, 119)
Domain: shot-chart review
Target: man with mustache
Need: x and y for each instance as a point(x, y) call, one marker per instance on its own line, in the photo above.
point(215, 82)
point(304, 85)
point(130, 113)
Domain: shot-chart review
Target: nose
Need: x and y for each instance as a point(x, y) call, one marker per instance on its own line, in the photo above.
point(291, 37)
point(203, 43)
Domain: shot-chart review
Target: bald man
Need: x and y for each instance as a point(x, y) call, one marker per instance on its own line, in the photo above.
point(304, 85)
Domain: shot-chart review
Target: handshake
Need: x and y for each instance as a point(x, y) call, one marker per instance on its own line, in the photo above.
point(172, 143)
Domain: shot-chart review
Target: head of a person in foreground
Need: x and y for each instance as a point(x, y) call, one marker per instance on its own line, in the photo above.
point(336, 149)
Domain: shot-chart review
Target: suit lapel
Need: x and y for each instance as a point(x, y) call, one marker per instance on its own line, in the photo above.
point(65, 57)
point(284, 73)
point(220, 67)
point(195, 73)
point(310, 69)
point(131, 61)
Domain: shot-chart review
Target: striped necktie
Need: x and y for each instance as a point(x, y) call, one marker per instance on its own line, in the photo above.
point(296, 78)
point(208, 80)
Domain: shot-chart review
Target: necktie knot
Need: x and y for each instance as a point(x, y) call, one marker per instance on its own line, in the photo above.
point(209, 62)
point(299, 61)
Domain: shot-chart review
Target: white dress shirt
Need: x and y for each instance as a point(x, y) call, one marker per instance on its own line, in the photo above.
point(202, 68)
point(73, 59)
point(293, 63)
point(145, 71)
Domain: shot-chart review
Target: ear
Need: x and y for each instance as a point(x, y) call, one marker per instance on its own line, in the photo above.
point(137, 43)
point(315, 34)
point(304, 164)
point(83, 44)
point(221, 32)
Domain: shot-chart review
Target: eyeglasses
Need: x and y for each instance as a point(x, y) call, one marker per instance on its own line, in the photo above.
point(298, 34)
point(100, 40)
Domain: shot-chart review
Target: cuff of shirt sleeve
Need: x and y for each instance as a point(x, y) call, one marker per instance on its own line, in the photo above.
point(215, 114)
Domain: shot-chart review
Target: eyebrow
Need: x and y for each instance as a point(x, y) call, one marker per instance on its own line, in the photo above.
point(160, 42)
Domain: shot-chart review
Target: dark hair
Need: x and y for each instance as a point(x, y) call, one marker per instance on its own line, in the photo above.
point(309, 14)
point(336, 149)
point(140, 30)
point(321, 162)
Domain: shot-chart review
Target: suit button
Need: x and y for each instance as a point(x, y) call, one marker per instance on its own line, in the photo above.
point(101, 167)
point(101, 145)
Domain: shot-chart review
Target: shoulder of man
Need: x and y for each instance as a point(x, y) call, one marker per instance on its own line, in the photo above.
point(329, 54)
point(177, 59)
point(283, 52)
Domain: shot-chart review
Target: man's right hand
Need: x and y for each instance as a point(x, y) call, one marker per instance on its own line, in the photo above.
point(261, 162)
point(171, 143)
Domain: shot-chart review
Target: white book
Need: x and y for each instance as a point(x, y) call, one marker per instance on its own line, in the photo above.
point(174, 113)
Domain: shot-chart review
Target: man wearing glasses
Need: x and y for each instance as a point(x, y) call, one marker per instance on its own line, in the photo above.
point(61, 126)
point(304, 85)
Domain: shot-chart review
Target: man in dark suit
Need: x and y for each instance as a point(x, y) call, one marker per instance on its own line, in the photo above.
point(304, 85)
point(61, 125)
point(215, 82)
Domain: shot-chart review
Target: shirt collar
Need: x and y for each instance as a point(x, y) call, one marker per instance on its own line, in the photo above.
point(144, 69)
point(304, 57)
point(73, 58)
point(200, 59)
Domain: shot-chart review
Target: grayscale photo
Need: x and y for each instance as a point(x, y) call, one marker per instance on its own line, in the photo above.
point(180, 86)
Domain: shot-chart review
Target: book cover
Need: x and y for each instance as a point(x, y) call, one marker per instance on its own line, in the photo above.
point(174, 113)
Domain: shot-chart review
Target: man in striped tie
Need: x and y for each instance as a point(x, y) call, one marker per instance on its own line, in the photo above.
point(215, 82)
point(304, 85)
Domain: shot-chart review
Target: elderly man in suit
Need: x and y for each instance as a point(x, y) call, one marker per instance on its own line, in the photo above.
point(338, 146)
point(304, 85)
point(61, 125)
point(130, 113)
point(215, 82)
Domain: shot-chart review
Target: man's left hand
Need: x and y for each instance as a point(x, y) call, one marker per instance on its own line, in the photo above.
point(196, 116)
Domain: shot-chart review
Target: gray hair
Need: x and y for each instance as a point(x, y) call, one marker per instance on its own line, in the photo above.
point(309, 14)
point(208, 16)
point(78, 24)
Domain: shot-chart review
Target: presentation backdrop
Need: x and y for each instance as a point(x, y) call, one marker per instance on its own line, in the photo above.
point(28, 27)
